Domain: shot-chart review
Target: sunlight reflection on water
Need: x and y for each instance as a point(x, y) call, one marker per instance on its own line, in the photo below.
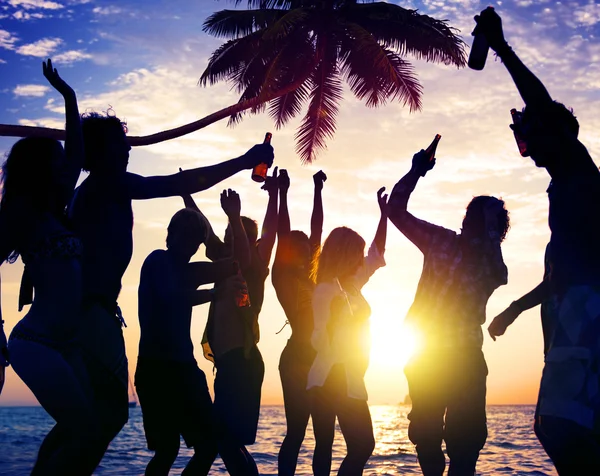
point(511, 449)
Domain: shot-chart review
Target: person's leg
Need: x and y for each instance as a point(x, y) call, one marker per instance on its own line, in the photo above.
point(357, 428)
point(103, 348)
point(196, 419)
point(58, 388)
point(293, 371)
point(426, 428)
point(573, 449)
point(322, 410)
point(165, 454)
point(158, 390)
point(466, 429)
point(237, 405)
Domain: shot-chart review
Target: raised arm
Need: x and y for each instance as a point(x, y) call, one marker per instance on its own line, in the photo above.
point(316, 219)
point(533, 298)
point(195, 180)
point(215, 248)
point(531, 89)
point(73, 137)
point(269, 228)
point(231, 204)
point(418, 231)
point(381, 233)
point(283, 222)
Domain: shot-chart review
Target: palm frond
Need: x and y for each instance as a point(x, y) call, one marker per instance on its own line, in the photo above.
point(239, 23)
point(227, 60)
point(288, 106)
point(288, 23)
point(408, 32)
point(375, 72)
point(325, 95)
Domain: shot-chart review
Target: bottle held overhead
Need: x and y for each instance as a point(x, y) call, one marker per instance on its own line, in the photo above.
point(430, 151)
point(259, 173)
point(479, 49)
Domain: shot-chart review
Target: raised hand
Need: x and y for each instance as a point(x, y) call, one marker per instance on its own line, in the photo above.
point(421, 163)
point(51, 74)
point(489, 24)
point(284, 180)
point(271, 184)
point(319, 178)
point(260, 153)
point(382, 201)
point(501, 322)
point(231, 204)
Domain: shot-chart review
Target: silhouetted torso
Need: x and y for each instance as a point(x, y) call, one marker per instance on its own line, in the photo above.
point(165, 316)
point(52, 256)
point(294, 291)
point(574, 219)
point(102, 217)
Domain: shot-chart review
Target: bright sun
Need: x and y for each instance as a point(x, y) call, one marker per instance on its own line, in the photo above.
point(392, 343)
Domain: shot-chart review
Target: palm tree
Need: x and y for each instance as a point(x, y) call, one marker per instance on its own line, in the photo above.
point(286, 53)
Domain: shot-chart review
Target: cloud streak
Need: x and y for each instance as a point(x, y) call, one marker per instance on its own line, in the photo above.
point(41, 48)
point(31, 90)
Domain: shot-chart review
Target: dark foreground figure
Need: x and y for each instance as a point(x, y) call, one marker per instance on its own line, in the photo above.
point(102, 216)
point(447, 378)
point(568, 413)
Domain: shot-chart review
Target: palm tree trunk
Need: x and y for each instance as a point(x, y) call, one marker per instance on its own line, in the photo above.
point(8, 130)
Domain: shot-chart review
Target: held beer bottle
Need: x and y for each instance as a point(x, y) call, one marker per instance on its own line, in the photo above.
point(479, 49)
point(242, 298)
point(259, 173)
point(430, 151)
point(517, 118)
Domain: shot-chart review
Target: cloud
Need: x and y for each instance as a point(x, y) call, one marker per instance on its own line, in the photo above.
point(43, 122)
point(2, 61)
point(587, 15)
point(40, 48)
point(71, 56)
point(110, 10)
point(24, 16)
point(7, 40)
point(36, 4)
point(31, 90)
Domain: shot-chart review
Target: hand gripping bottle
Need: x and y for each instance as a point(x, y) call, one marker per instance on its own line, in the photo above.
point(259, 173)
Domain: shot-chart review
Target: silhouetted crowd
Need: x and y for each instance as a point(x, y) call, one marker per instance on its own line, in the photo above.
point(76, 244)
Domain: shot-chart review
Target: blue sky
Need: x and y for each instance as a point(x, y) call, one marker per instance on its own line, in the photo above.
point(144, 59)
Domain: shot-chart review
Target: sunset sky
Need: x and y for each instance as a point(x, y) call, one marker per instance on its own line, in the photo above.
point(144, 58)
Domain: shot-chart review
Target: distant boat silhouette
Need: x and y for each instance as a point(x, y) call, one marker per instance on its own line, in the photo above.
point(133, 398)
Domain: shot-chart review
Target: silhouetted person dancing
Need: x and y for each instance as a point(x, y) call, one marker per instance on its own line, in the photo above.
point(178, 401)
point(231, 337)
point(294, 287)
point(102, 216)
point(341, 337)
point(568, 415)
point(38, 180)
point(447, 375)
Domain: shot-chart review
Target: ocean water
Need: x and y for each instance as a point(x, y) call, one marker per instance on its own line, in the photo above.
point(511, 449)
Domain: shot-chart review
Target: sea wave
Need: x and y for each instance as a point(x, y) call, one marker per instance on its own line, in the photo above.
point(511, 448)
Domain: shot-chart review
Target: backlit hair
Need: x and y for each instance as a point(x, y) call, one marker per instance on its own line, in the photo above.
point(192, 222)
point(342, 253)
point(474, 216)
point(97, 129)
